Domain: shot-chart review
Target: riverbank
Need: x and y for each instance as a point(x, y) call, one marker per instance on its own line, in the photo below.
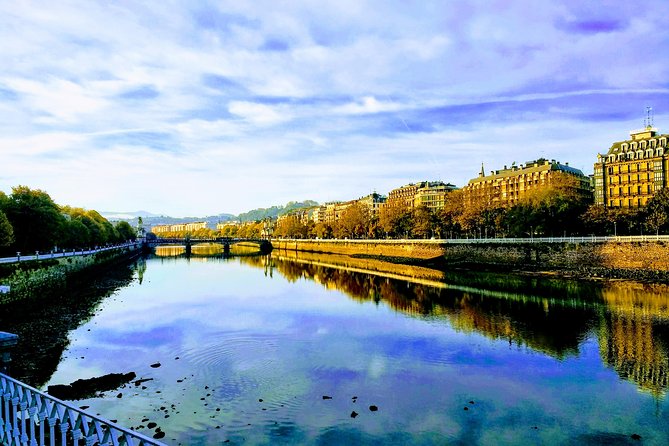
point(644, 261)
point(27, 279)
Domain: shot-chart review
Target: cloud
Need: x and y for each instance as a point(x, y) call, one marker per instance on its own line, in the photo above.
point(367, 104)
point(258, 114)
point(326, 101)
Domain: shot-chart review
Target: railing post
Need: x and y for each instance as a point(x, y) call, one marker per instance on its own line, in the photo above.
point(7, 342)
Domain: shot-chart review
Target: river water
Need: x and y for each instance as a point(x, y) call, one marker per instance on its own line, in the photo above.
point(294, 348)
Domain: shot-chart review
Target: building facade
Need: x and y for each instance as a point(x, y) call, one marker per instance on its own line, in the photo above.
point(431, 194)
point(507, 186)
point(630, 173)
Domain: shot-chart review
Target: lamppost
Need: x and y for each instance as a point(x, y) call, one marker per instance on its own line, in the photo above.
point(615, 229)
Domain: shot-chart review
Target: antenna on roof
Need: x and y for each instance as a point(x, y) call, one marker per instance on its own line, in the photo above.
point(648, 120)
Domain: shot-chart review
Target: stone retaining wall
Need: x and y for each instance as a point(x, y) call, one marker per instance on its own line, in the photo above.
point(648, 256)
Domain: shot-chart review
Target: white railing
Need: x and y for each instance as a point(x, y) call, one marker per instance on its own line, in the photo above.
point(512, 240)
point(31, 417)
point(75, 252)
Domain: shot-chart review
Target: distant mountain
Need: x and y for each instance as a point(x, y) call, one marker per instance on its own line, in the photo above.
point(126, 215)
point(150, 219)
point(275, 211)
point(211, 220)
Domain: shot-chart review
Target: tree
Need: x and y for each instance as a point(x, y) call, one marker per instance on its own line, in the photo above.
point(125, 231)
point(449, 217)
point(6, 231)
point(657, 211)
point(395, 219)
point(354, 221)
point(322, 230)
point(36, 219)
point(422, 222)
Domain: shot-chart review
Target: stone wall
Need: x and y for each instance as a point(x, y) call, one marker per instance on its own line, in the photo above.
point(647, 256)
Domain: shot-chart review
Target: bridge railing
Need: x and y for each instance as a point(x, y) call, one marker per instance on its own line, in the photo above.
point(31, 417)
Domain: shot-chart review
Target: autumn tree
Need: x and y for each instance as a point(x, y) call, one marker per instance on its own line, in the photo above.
point(421, 222)
point(353, 221)
point(656, 212)
point(450, 216)
point(322, 230)
point(395, 219)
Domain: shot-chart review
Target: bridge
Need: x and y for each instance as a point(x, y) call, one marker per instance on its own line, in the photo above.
point(264, 245)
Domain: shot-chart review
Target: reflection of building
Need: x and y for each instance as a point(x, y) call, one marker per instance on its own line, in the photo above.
point(507, 186)
point(632, 170)
point(630, 336)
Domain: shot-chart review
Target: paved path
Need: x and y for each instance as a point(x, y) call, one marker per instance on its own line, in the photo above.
point(52, 255)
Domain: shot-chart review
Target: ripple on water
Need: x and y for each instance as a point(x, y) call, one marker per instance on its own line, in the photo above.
point(239, 351)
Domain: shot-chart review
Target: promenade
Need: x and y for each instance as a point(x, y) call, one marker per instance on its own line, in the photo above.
point(60, 254)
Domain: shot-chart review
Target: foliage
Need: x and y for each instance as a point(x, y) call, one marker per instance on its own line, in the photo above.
point(274, 211)
point(395, 219)
point(36, 219)
point(657, 212)
point(353, 222)
point(422, 222)
point(290, 227)
point(6, 231)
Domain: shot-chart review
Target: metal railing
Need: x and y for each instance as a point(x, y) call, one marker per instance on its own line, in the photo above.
point(75, 252)
point(511, 240)
point(31, 417)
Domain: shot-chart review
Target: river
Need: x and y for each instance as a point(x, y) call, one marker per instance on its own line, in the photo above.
point(293, 348)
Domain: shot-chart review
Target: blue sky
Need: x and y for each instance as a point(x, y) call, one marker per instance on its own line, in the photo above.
point(196, 108)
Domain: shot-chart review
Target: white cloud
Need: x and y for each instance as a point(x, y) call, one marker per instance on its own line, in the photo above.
point(367, 104)
point(259, 114)
point(107, 105)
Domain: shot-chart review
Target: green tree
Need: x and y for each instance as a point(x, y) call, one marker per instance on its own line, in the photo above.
point(36, 219)
point(125, 231)
point(74, 234)
point(6, 231)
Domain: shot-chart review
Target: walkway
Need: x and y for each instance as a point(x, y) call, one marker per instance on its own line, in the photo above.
point(56, 255)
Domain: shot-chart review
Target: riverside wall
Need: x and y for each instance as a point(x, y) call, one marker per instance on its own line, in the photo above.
point(646, 256)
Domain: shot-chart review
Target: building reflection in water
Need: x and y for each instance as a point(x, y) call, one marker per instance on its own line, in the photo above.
point(634, 334)
point(549, 315)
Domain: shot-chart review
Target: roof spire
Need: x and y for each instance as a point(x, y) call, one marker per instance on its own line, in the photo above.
point(482, 174)
point(648, 120)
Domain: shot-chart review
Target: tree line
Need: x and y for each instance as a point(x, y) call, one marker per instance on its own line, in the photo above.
point(558, 208)
point(31, 221)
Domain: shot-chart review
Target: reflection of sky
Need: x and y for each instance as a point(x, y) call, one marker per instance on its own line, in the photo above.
point(248, 337)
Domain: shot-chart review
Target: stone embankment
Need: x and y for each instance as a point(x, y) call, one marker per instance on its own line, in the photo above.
point(640, 260)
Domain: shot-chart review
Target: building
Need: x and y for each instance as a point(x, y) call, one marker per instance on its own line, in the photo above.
point(179, 227)
point(630, 173)
point(431, 194)
point(506, 186)
point(373, 203)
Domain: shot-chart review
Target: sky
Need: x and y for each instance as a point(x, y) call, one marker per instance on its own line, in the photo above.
point(199, 108)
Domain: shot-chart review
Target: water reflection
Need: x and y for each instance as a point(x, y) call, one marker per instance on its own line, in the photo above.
point(248, 346)
point(550, 315)
point(207, 250)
